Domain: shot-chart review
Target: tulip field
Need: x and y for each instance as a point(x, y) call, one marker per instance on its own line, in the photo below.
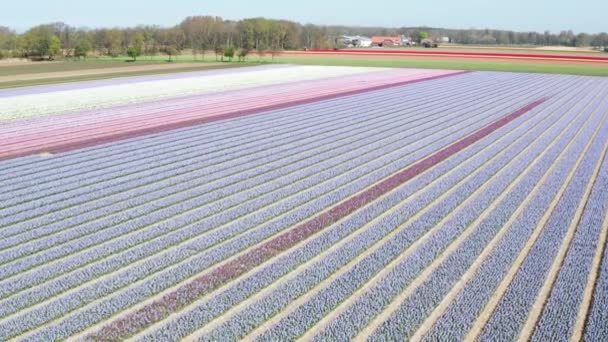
point(311, 203)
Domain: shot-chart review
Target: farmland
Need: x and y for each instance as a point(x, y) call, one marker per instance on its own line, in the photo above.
point(282, 202)
point(23, 74)
point(469, 59)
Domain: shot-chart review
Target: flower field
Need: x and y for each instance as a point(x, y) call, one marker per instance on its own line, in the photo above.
point(314, 203)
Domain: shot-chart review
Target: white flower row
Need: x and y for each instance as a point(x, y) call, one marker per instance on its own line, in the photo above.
point(44, 104)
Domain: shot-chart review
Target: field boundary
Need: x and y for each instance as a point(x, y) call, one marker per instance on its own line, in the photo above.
point(490, 55)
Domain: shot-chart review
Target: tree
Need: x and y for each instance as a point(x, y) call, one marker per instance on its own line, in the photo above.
point(137, 47)
point(171, 51)
point(82, 46)
point(113, 43)
point(199, 32)
point(151, 48)
point(172, 42)
point(229, 53)
point(139, 41)
point(422, 35)
point(54, 47)
point(8, 41)
point(40, 42)
point(7, 38)
point(133, 52)
point(583, 39)
point(261, 52)
point(219, 51)
point(243, 54)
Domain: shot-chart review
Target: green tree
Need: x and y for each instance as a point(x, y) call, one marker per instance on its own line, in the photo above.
point(422, 35)
point(40, 42)
point(171, 51)
point(139, 41)
point(81, 49)
point(133, 52)
point(137, 47)
point(54, 47)
point(8, 38)
point(229, 53)
point(114, 39)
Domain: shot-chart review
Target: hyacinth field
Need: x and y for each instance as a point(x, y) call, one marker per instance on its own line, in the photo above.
point(315, 203)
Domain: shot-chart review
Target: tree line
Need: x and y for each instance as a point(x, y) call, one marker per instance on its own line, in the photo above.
point(208, 33)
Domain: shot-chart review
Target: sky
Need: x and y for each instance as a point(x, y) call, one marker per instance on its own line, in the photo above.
point(518, 15)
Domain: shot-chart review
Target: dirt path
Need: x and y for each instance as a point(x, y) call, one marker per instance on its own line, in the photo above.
point(104, 71)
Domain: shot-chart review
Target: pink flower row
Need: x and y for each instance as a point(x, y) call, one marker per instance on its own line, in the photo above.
point(76, 130)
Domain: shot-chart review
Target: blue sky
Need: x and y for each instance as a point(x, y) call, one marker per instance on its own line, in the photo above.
point(520, 15)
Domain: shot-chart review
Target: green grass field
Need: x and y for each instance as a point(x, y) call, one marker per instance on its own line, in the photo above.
point(61, 66)
point(435, 63)
point(395, 62)
point(427, 63)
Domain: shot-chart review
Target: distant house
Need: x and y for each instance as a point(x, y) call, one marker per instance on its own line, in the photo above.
point(364, 42)
point(407, 41)
point(354, 41)
point(445, 39)
point(387, 41)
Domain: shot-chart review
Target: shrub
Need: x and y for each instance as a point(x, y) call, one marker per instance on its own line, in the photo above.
point(229, 53)
point(243, 54)
point(133, 52)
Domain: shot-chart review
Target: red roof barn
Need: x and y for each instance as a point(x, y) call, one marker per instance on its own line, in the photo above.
point(386, 41)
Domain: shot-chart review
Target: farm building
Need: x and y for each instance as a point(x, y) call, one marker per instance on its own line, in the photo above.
point(354, 41)
point(387, 41)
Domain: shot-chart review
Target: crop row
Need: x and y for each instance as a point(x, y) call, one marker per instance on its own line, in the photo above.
point(461, 313)
point(63, 227)
point(596, 329)
point(21, 249)
point(27, 106)
point(9, 92)
point(95, 128)
point(434, 221)
point(421, 152)
point(384, 215)
point(292, 136)
point(367, 234)
point(259, 255)
point(395, 166)
point(409, 315)
point(212, 104)
point(233, 131)
point(510, 315)
point(558, 319)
